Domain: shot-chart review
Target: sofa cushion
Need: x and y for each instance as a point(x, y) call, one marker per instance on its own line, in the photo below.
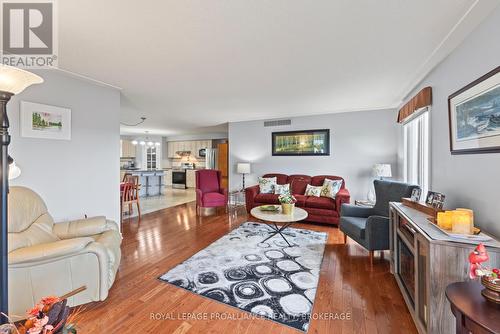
point(320, 212)
point(331, 188)
point(320, 203)
point(313, 191)
point(213, 198)
point(298, 183)
point(282, 189)
point(267, 198)
point(301, 200)
point(280, 178)
point(320, 179)
point(353, 226)
point(266, 185)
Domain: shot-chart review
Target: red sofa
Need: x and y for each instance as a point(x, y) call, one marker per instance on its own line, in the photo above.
point(320, 209)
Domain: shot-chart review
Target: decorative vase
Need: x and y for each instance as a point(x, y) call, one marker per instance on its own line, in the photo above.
point(492, 291)
point(287, 209)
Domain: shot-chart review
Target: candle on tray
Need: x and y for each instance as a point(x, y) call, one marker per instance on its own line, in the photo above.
point(444, 220)
point(462, 222)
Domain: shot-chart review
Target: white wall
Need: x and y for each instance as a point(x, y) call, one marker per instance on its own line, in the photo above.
point(358, 141)
point(471, 181)
point(74, 177)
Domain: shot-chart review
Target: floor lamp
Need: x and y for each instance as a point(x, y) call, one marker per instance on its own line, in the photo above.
point(12, 81)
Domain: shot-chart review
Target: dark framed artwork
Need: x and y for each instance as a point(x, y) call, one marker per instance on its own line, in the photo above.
point(474, 116)
point(305, 142)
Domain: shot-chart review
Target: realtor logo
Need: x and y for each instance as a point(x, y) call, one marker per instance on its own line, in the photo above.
point(28, 34)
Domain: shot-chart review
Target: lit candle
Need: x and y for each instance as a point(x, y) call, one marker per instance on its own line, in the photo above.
point(461, 222)
point(470, 213)
point(444, 220)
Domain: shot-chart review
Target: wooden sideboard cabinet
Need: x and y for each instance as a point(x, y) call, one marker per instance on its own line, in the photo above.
point(424, 262)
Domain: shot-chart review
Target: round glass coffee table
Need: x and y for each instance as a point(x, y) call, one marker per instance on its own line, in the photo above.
point(278, 217)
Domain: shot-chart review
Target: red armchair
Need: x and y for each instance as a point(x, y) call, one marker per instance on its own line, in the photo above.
point(322, 210)
point(209, 193)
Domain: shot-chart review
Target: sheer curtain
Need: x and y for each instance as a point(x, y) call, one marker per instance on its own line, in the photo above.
point(417, 150)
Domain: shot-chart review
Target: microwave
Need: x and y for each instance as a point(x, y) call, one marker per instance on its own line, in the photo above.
point(202, 152)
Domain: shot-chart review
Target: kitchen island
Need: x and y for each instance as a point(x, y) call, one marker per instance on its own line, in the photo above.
point(152, 181)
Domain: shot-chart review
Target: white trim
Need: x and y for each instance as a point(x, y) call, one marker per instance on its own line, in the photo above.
point(415, 114)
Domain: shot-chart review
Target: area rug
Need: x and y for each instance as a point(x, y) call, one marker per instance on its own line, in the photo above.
point(270, 279)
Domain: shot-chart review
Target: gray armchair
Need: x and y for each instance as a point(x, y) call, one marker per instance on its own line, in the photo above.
point(370, 226)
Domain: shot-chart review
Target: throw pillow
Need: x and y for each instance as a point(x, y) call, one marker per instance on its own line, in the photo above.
point(282, 189)
point(330, 188)
point(267, 184)
point(313, 191)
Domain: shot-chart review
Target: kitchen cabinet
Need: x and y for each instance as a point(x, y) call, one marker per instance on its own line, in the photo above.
point(168, 177)
point(190, 178)
point(194, 146)
point(127, 149)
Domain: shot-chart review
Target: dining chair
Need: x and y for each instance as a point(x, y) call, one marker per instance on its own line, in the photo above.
point(130, 194)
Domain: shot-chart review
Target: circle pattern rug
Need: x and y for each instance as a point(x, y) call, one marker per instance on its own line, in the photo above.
point(269, 279)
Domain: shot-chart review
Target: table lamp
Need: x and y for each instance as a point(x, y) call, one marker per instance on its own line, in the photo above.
point(382, 170)
point(12, 81)
point(379, 171)
point(243, 168)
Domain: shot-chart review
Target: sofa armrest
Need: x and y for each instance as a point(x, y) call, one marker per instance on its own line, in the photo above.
point(84, 227)
point(48, 251)
point(377, 233)
point(250, 194)
point(342, 197)
point(349, 210)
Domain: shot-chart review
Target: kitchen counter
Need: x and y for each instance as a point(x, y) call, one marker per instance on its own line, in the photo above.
point(152, 181)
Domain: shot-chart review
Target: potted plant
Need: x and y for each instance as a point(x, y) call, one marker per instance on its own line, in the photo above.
point(287, 203)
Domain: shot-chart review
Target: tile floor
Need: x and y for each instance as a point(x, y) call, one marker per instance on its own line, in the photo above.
point(171, 197)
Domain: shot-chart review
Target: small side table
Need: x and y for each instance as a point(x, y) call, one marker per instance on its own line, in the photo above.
point(473, 313)
point(236, 201)
point(364, 203)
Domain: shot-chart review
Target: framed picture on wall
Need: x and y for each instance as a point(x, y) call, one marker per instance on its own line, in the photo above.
point(45, 121)
point(474, 116)
point(297, 143)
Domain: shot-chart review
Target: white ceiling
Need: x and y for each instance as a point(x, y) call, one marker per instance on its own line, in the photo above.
point(195, 65)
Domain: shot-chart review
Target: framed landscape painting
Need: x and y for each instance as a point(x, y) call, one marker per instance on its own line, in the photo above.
point(474, 116)
point(45, 121)
point(306, 142)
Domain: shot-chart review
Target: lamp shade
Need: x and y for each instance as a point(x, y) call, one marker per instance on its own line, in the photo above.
point(382, 170)
point(243, 168)
point(14, 80)
point(14, 171)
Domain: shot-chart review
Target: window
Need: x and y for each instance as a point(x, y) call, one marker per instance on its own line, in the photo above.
point(416, 150)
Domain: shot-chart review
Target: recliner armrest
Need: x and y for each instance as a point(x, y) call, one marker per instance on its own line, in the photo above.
point(48, 251)
point(84, 227)
point(349, 210)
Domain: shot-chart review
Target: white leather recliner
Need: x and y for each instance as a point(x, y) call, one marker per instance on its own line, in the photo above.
point(48, 259)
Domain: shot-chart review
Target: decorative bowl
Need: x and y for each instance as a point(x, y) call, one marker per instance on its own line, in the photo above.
point(492, 291)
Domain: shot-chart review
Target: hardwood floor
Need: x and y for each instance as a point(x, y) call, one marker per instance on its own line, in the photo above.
point(139, 303)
